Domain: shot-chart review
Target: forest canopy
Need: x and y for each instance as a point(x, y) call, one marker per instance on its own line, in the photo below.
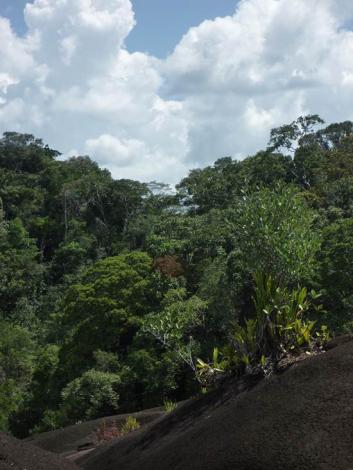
point(118, 295)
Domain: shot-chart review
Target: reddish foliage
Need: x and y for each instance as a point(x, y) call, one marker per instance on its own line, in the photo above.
point(169, 265)
point(107, 432)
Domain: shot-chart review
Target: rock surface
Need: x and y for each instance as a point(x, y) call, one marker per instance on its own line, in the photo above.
point(77, 437)
point(19, 455)
point(299, 420)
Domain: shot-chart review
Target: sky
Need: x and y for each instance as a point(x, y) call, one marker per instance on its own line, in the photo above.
point(160, 24)
point(153, 88)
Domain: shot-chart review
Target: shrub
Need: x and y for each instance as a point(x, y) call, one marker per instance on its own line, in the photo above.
point(52, 419)
point(209, 373)
point(107, 432)
point(131, 424)
point(174, 326)
point(279, 326)
point(275, 233)
point(169, 405)
point(90, 396)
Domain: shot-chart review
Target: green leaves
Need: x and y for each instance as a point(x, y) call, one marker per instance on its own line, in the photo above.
point(120, 326)
point(174, 325)
point(288, 135)
point(279, 325)
point(93, 394)
point(20, 272)
point(17, 356)
point(169, 406)
point(336, 271)
point(275, 234)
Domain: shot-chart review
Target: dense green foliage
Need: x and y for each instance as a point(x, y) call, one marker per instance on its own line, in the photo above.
point(116, 295)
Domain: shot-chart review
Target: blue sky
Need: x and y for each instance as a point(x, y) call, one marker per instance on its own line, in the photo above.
point(160, 23)
point(13, 9)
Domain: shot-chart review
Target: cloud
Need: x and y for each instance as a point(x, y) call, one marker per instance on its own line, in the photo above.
point(72, 81)
point(15, 58)
point(112, 151)
point(271, 61)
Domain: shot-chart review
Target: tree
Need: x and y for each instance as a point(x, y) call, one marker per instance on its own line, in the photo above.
point(275, 233)
point(211, 187)
point(336, 271)
point(24, 153)
point(334, 135)
point(298, 132)
point(110, 289)
point(337, 198)
point(174, 325)
point(265, 169)
point(92, 395)
point(16, 366)
point(106, 309)
point(20, 272)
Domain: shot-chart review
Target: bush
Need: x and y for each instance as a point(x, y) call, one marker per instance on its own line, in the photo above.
point(275, 234)
point(174, 326)
point(279, 326)
point(169, 405)
point(90, 396)
point(107, 432)
point(131, 424)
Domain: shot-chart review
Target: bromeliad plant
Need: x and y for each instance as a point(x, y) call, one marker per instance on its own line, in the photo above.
point(209, 372)
point(279, 326)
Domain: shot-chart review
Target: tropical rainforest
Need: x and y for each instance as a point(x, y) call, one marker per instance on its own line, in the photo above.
point(116, 295)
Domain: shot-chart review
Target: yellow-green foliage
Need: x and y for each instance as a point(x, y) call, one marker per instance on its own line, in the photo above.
point(131, 424)
point(169, 405)
point(207, 372)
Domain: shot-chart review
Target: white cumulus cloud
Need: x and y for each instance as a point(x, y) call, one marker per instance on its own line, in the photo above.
point(271, 61)
point(72, 81)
